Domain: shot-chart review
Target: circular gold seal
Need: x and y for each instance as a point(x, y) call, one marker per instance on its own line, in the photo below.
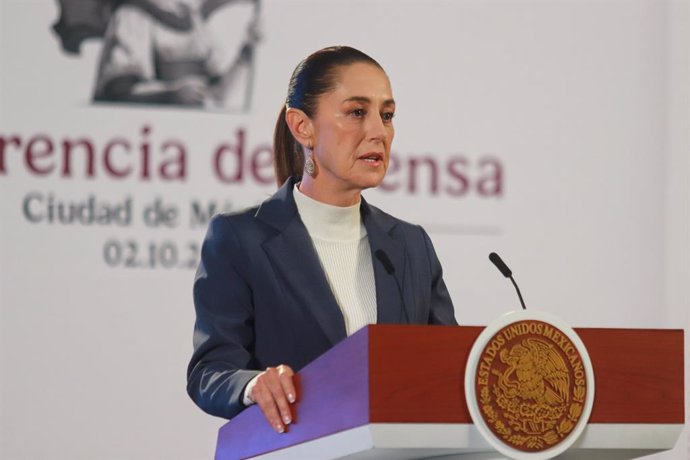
point(531, 385)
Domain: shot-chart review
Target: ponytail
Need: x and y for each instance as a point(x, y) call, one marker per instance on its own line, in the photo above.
point(288, 157)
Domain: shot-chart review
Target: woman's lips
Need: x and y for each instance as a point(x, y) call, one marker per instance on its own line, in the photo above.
point(372, 158)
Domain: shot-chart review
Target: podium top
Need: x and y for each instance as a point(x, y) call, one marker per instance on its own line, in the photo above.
point(415, 374)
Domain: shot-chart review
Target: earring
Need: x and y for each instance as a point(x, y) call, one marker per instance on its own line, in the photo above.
point(309, 166)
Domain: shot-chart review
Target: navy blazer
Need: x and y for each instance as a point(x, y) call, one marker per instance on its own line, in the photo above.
point(262, 298)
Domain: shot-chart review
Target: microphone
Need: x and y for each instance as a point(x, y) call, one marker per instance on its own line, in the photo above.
point(385, 261)
point(390, 269)
point(498, 262)
point(503, 268)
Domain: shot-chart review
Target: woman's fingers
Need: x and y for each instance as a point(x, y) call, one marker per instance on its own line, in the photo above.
point(263, 397)
point(189, 90)
point(279, 397)
point(273, 392)
point(285, 373)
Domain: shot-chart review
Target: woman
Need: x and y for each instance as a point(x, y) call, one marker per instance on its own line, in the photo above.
point(280, 284)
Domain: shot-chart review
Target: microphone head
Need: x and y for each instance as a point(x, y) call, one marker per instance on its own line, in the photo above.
point(385, 261)
point(496, 260)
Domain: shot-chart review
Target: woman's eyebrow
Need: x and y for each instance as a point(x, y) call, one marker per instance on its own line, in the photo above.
point(367, 100)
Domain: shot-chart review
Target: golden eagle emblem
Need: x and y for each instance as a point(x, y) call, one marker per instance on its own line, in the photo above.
point(529, 386)
point(534, 387)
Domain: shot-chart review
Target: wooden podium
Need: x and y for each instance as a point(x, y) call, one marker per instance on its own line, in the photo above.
point(398, 392)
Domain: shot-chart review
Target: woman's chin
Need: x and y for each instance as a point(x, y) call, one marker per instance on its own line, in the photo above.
point(371, 181)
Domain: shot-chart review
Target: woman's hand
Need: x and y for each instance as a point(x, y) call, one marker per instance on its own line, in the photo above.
point(183, 91)
point(188, 91)
point(274, 392)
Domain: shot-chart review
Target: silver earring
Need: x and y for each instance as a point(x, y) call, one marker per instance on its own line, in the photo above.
point(309, 166)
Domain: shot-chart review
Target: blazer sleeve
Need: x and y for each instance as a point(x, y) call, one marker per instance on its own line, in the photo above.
point(223, 332)
point(441, 306)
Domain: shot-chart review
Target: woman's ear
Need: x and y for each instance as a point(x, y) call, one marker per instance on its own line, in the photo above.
point(300, 126)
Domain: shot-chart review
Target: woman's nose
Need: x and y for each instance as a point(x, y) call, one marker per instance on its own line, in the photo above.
point(376, 128)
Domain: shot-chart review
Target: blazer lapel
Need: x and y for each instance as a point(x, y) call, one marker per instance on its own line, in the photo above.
point(292, 254)
point(389, 286)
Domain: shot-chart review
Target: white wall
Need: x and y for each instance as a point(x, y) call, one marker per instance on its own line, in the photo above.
point(677, 193)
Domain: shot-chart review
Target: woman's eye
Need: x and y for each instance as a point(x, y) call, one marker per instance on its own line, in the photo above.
point(359, 113)
point(387, 116)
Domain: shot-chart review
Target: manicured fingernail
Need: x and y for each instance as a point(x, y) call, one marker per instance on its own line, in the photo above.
point(279, 428)
point(291, 397)
point(287, 420)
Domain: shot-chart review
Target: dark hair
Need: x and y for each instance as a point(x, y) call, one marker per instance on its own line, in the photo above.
point(312, 77)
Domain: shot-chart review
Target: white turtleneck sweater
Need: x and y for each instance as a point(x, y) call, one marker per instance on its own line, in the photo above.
point(341, 242)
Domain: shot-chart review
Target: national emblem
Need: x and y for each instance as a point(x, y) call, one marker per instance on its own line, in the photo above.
point(530, 385)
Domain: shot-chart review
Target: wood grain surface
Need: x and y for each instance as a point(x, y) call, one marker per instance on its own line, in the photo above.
point(417, 374)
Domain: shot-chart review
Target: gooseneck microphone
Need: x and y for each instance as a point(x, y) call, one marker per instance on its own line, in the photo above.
point(385, 261)
point(503, 268)
point(390, 269)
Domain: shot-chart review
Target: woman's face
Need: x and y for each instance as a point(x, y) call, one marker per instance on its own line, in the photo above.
point(353, 130)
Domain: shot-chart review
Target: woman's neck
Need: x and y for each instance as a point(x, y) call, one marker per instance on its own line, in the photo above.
point(318, 191)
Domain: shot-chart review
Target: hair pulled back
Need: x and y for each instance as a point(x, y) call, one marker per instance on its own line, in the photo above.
point(314, 76)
